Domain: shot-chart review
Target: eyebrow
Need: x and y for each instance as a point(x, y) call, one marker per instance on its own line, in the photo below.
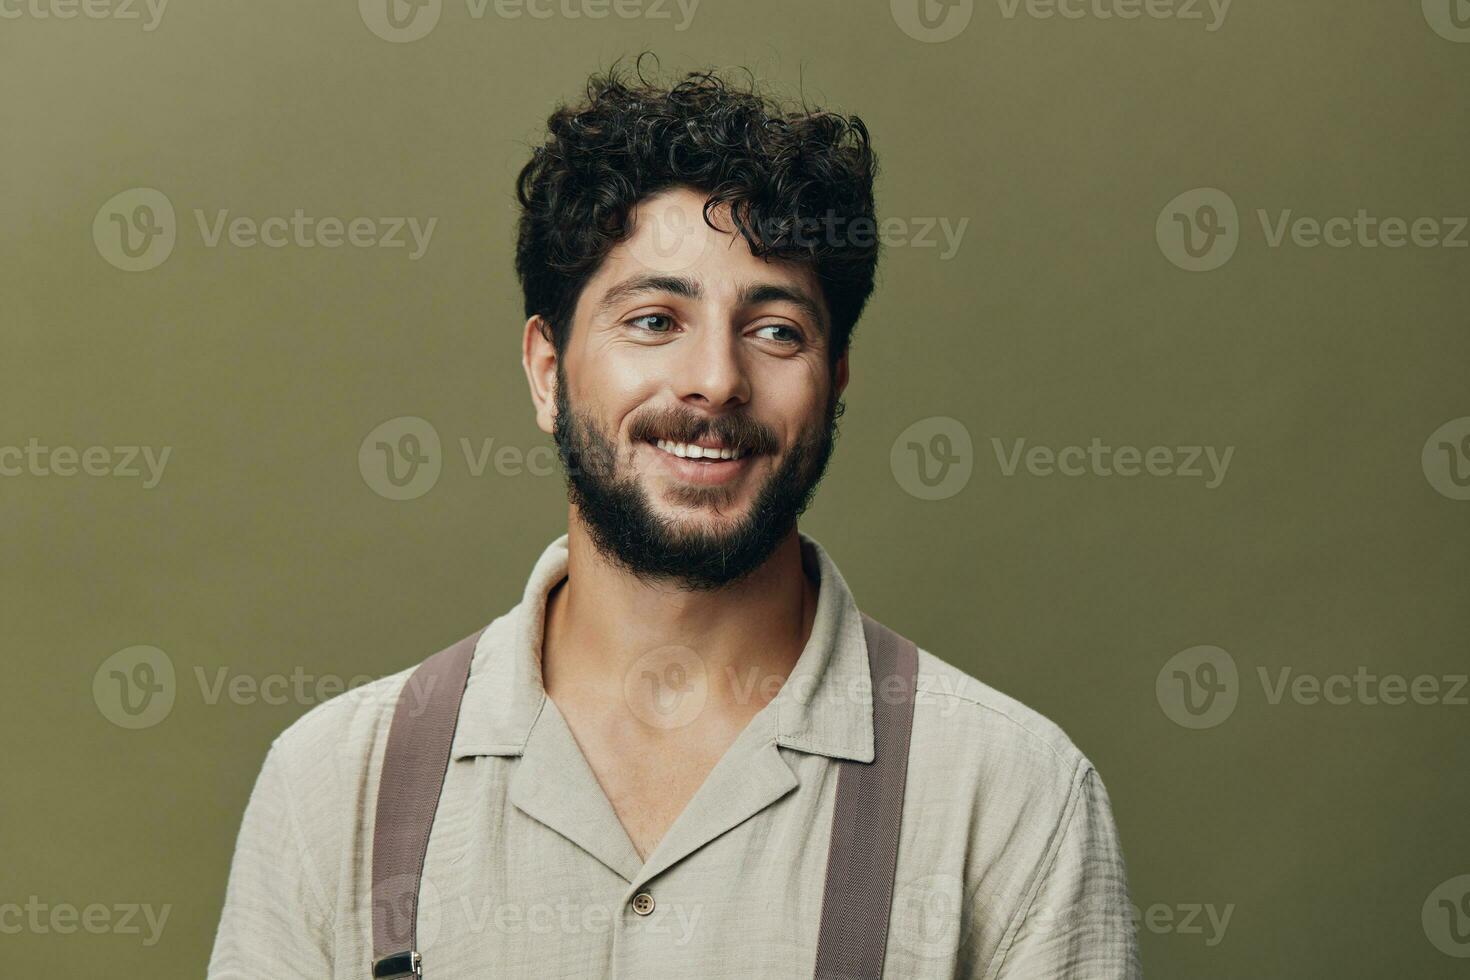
point(752, 295)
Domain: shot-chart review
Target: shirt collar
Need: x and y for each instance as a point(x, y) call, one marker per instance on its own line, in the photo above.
point(825, 707)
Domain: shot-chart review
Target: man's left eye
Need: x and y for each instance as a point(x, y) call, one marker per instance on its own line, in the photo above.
point(652, 316)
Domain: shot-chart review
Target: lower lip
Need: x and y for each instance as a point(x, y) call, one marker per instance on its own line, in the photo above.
point(698, 471)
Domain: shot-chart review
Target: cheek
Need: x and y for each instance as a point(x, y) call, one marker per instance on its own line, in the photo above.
point(619, 409)
point(610, 391)
point(803, 414)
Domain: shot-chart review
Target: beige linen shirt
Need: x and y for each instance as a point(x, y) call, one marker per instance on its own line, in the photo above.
point(1008, 863)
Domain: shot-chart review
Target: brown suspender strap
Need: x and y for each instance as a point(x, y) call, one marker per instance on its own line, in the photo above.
point(861, 861)
point(414, 765)
point(863, 857)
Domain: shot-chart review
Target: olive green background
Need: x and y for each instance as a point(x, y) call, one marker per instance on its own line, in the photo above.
point(264, 550)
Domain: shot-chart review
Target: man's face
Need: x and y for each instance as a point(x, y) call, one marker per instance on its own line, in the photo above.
point(685, 339)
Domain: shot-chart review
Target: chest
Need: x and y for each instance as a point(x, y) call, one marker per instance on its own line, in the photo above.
point(650, 782)
point(526, 885)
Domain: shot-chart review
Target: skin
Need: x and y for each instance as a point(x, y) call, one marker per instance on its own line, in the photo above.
point(652, 353)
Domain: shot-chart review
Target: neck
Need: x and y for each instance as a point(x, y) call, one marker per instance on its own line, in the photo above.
point(601, 621)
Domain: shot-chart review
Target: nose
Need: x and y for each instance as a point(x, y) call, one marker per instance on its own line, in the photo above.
point(711, 372)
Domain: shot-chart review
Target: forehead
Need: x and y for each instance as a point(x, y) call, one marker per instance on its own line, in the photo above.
point(668, 236)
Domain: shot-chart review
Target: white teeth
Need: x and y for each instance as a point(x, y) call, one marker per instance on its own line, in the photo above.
point(686, 451)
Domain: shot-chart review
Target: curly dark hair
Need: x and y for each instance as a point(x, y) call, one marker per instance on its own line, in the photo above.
point(782, 172)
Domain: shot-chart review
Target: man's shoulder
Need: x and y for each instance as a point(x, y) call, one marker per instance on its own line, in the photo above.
point(1012, 824)
point(350, 724)
point(351, 728)
point(967, 729)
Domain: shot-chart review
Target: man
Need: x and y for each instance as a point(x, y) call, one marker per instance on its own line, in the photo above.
point(645, 762)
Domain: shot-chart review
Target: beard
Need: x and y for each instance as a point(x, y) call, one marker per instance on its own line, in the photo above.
point(627, 531)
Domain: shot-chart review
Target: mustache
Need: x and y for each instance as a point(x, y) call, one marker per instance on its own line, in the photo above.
point(740, 432)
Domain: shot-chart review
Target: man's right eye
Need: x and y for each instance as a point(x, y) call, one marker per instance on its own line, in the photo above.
point(641, 320)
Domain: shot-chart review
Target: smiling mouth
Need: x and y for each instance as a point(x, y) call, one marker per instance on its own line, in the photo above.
point(698, 454)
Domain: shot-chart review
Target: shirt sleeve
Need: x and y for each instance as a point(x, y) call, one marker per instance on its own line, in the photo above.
point(276, 921)
point(1079, 923)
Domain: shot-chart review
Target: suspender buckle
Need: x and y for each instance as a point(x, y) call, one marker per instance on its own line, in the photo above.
point(400, 966)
